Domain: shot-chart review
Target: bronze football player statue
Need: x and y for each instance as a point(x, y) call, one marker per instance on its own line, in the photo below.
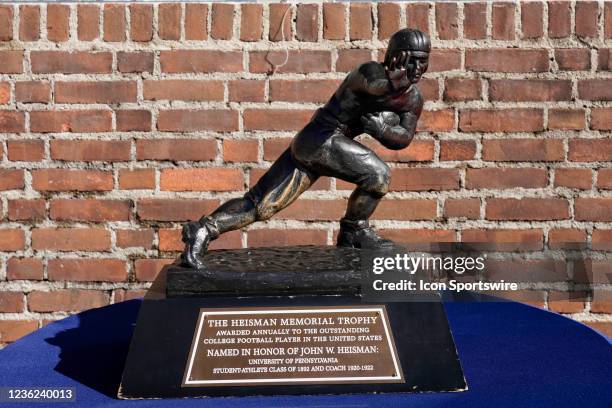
point(378, 99)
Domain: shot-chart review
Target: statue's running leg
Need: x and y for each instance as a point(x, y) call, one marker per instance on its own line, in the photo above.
point(349, 160)
point(275, 190)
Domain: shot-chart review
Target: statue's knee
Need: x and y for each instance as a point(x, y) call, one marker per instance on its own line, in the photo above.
point(377, 182)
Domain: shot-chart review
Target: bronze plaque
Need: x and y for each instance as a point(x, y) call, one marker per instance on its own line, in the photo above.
point(299, 345)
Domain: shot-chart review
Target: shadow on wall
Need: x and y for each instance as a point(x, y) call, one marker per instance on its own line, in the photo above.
point(94, 352)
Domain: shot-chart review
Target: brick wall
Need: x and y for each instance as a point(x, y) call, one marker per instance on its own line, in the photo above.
point(119, 122)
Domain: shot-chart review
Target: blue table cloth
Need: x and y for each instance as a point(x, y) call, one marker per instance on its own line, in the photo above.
point(513, 355)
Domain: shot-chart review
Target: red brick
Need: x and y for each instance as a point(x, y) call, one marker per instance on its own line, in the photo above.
point(302, 90)
point(298, 61)
point(418, 151)
point(202, 61)
point(130, 62)
point(593, 209)
point(573, 178)
point(222, 26)
point(404, 210)
point(251, 22)
point(275, 119)
point(501, 120)
point(274, 147)
point(349, 59)
point(71, 180)
point(240, 150)
point(532, 19)
point(246, 90)
point(137, 179)
point(567, 238)
point(33, 91)
point(123, 295)
point(201, 179)
point(313, 210)
point(5, 93)
point(93, 210)
point(518, 90)
point(511, 239)
point(608, 20)
point(559, 19)
point(360, 19)
point(147, 269)
point(12, 122)
point(602, 240)
point(530, 297)
point(501, 178)
point(323, 183)
point(6, 23)
point(26, 210)
point(11, 179)
point(24, 268)
point(307, 18)
point(176, 149)
point(169, 16)
point(12, 62)
point(436, 121)
point(424, 179)
point(573, 59)
point(567, 302)
point(475, 20)
point(567, 119)
point(446, 21)
point(507, 60)
point(530, 271)
point(444, 60)
point(278, 237)
point(95, 92)
point(417, 16)
point(218, 120)
point(422, 237)
point(586, 18)
point(142, 238)
point(503, 21)
point(58, 26)
point(12, 239)
point(333, 21)
point(462, 208)
point(595, 89)
point(141, 22)
point(90, 150)
point(11, 330)
point(523, 150)
point(388, 19)
point(26, 150)
point(604, 61)
point(429, 89)
point(196, 21)
point(590, 150)
point(133, 120)
point(114, 22)
point(461, 89)
point(604, 179)
point(170, 240)
point(88, 19)
point(457, 150)
point(29, 23)
point(86, 270)
point(589, 271)
point(161, 209)
point(70, 239)
point(601, 118)
point(77, 62)
point(280, 14)
point(183, 90)
point(11, 302)
point(66, 300)
point(602, 303)
point(531, 209)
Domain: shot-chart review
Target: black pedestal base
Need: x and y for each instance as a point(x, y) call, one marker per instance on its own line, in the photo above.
point(164, 332)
